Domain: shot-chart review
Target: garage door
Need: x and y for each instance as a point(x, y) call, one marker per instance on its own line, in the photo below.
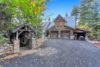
point(54, 34)
point(65, 34)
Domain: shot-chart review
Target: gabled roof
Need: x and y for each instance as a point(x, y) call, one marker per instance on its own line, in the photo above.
point(51, 28)
point(23, 25)
point(79, 29)
point(70, 23)
point(68, 27)
point(60, 17)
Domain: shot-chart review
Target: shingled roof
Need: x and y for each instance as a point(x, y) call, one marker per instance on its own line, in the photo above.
point(60, 17)
point(52, 25)
point(54, 28)
point(81, 30)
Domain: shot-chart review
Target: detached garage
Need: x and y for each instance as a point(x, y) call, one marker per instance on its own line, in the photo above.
point(59, 29)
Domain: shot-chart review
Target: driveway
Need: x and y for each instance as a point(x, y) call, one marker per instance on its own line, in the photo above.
point(59, 53)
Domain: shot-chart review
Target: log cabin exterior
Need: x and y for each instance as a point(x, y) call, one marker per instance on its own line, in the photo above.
point(60, 29)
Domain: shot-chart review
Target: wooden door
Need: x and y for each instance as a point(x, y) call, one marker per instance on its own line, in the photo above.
point(54, 34)
point(65, 34)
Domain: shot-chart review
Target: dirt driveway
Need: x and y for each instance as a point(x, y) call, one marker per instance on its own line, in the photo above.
point(59, 53)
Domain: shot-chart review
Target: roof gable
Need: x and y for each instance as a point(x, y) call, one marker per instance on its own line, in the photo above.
point(70, 23)
point(59, 17)
point(23, 25)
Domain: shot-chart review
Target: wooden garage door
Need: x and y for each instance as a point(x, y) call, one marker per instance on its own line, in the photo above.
point(65, 34)
point(54, 34)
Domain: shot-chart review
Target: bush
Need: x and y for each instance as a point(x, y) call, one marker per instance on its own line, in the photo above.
point(3, 40)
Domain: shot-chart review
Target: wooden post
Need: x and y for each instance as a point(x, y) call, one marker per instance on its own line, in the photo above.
point(36, 35)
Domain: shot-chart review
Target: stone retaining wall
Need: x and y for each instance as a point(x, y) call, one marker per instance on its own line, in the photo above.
point(6, 49)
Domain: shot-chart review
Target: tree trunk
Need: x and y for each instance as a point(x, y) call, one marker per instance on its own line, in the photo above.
point(2, 25)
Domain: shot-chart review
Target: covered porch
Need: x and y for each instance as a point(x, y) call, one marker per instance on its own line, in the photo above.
point(80, 34)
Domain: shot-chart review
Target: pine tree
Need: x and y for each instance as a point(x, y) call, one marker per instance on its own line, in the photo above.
point(88, 11)
point(75, 12)
point(5, 17)
point(89, 14)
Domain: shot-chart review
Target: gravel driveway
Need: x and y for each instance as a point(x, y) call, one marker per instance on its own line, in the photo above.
point(59, 53)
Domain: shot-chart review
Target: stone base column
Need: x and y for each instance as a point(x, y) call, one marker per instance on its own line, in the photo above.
point(59, 34)
point(16, 46)
point(71, 34)
point(34, 44)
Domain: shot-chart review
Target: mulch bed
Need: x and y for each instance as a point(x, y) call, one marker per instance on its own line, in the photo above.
point(97, 44)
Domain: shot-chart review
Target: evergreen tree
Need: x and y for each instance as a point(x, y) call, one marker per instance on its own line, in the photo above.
point(75, 12)
point(89, 15)
point(5, 17)
point(88, 12)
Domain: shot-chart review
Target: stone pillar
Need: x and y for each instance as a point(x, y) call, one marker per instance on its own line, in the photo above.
point(30, 40)
point(16, 44)
point(71, 34)
point(34, 44)
point(59, 34)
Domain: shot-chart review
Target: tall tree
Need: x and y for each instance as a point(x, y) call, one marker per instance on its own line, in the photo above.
point(75, 12)
point(89, 14)
point(25, 11)
point(4, 17)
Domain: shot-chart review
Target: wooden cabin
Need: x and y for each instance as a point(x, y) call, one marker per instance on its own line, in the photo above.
point(23, 34)
point(60, 29)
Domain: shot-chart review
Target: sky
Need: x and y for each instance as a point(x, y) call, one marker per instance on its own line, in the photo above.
point(62, 7)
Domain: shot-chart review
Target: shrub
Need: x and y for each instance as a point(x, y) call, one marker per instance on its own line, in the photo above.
point(3, 40)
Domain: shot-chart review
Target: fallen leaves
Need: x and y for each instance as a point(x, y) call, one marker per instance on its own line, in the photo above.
point(97, 44)
point(10, 57)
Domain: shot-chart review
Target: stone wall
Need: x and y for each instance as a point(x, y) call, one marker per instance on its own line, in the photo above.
point(6, 49)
